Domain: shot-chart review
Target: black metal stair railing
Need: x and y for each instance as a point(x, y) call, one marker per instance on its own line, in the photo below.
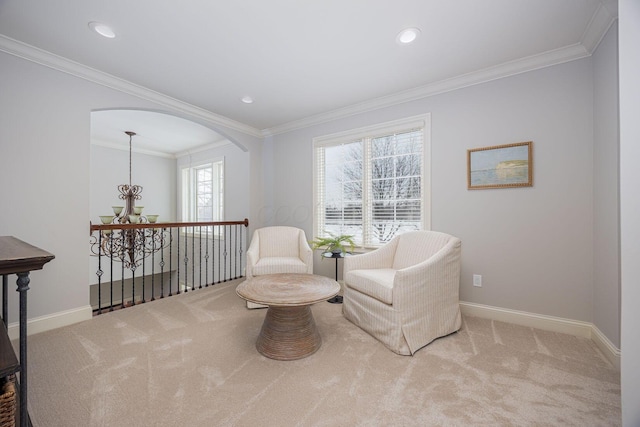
point(136, 263)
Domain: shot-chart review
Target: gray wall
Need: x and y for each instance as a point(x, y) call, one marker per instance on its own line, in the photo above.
point(630, 207)
point(533, 246)
point(606, 244)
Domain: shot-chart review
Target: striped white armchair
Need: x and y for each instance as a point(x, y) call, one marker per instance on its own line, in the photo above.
point(278, 249)
point(405, 294)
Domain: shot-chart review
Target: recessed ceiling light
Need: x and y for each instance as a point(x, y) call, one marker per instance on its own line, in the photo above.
point(407, 36)
point(102, 29)
point(247, 100)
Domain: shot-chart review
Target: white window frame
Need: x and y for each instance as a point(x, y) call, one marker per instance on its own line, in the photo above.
point(397, 126)
point(188, 191)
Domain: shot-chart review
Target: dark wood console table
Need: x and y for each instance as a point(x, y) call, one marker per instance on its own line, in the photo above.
point(20, 258)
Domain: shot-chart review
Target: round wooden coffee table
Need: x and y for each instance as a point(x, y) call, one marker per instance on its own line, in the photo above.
point(288, 331)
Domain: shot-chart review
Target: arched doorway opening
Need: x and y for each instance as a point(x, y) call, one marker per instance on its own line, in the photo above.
point(164, 145)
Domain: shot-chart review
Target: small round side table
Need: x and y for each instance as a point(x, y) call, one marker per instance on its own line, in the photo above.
point(335, 255)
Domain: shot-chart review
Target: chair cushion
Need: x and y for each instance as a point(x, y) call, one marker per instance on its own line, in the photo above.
point(376, 283)
point(275, 265)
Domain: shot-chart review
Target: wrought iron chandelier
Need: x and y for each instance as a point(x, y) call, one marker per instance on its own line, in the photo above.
point(130, 193)
point(129, 246)
point(129, 214)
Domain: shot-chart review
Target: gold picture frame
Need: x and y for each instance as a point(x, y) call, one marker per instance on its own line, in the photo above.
point(500, 166)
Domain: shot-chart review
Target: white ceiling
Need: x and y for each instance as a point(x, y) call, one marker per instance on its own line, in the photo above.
point(302, 61)
point(156, 133)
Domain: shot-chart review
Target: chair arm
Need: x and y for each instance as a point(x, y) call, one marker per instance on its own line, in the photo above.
point(253, 254)
point(305, 252)
point(379, 258)
point(435, 280)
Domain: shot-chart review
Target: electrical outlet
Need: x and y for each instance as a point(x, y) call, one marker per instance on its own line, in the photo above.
point(477, 280)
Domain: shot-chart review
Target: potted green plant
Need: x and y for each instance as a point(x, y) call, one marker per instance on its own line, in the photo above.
point(334, 243)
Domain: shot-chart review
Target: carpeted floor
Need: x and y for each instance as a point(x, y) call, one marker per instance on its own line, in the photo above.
point(190, 360)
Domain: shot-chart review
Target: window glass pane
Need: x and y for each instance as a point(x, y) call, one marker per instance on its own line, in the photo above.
point(382, 189)
point(343, 188)
point(352, 190)
point(410, 142)
point(202, 194)
point(382, 167)
point(408, 211)
point(408, 188)
point(383, 146)
point(407, 165)
point(382, 232)
point(205, 213)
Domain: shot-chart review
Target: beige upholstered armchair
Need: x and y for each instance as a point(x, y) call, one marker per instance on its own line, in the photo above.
point(278, 249)
point(405, 293)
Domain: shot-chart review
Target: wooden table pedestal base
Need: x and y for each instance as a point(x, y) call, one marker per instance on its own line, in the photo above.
point(288, 333)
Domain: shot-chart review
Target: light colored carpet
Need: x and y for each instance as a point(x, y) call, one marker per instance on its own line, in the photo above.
point(190, 360)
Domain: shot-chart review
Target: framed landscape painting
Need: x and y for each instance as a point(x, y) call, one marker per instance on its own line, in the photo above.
point(500, 166)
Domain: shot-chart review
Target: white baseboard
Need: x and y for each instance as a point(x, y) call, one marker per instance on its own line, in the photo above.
point(51, 321)
point(612, 352)
point(138, 298)
point(547, 323)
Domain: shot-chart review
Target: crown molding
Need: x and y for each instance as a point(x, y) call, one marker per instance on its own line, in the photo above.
point(523, 65)
point(201, 148)
point(602, 19)
point(59, 63)
point(122, 147)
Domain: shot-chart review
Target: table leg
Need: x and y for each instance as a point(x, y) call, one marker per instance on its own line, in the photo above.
point(288, 333)
point(23, 287)
point(338, 298)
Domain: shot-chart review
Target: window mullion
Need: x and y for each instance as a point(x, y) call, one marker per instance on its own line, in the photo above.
point(367, 208)
point(192, 194)
point(221, 185)
point(321, 201)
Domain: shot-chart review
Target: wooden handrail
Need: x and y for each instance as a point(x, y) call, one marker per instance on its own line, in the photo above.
point(94, 227)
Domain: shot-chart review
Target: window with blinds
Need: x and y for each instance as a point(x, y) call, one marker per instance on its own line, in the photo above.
point(372, 183)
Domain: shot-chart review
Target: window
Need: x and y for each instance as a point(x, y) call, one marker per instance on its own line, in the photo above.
point(203, 192)
point(372, 183)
